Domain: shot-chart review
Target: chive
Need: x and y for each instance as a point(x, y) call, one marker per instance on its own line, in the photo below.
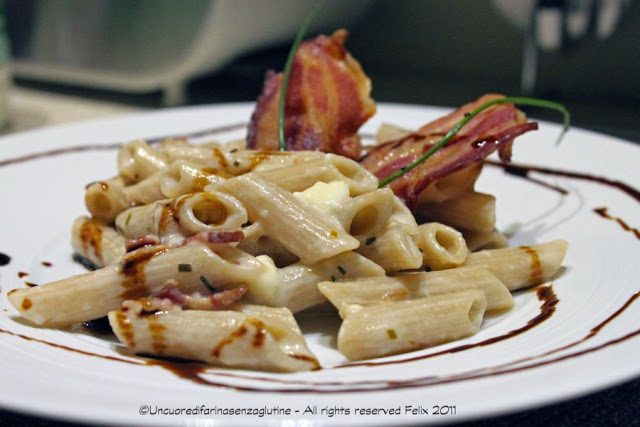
point(184, 268)
point(207, 284)
point(282, 144)
point(392, 334)
point(468, 116)
point(235, 150)
point(236, 163)
point(333, 278)
point(370, 241)
point(342, 270)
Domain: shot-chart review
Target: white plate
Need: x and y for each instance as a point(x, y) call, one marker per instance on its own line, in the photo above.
point(82, 377)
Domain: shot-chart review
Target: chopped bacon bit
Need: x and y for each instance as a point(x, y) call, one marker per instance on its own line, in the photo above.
point(215, 237)
point(328, 99)
point(171, 292)
point(148, 240)
point(224, 299)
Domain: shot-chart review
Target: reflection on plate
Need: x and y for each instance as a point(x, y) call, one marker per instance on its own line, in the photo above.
point(562, 339)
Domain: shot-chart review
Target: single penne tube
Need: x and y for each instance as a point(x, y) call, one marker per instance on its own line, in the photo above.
point(470, 211)
point(295, 224)
point(402, 218)
point(106, 199)
point(393, 249)
point(232, 160)
point(360, 180)
point(451, 186)
point(146, 190)
point(259, 338)
point(208, 210)
point(441, 246)
point(183, 176)
point(174, 220)
point(326, 169)
point(140, 273)
point(367, 214)
point(137, 160)
point(400, 326)
point(97, 241)
point(478, 240)
point(298, 288)
point(418, 285)
point(522, 266)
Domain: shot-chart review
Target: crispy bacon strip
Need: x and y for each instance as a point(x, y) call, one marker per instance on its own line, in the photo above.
point(328, 99)
point(493, 129)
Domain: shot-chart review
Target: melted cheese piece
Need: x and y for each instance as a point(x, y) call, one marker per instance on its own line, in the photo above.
point(327, 197)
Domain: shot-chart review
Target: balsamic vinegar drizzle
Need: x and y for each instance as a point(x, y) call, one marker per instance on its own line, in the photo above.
point(195, 371)
point(604, 213)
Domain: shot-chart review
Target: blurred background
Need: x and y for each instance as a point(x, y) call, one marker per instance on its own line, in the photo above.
point(77, 59)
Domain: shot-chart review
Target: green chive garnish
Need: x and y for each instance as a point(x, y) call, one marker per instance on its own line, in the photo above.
point(282, 143)
point(470, 115)
point(184, 268)
point(370, 241)
point(392, 334)
point(207, 284)
point(342, 270)
point(333, 278)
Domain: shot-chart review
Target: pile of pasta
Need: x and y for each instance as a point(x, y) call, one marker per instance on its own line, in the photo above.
point(205, 252)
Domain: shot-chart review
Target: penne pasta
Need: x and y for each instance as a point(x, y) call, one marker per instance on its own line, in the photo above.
point(250, 337)
point(395, 327)
point(174, 220)
point(406, 286)
point(137, 160)
point(140, 273)
point(478, 240)
point(470, 211)
point(298, 227)
point(106, 199)
point(96, 241)
point(441, 246)
point(522, 266)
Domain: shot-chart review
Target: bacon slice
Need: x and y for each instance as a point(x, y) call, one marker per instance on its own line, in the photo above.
point(493, 129)
point(328, 99)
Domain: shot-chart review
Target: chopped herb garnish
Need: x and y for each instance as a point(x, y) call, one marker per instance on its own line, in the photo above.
point(282, 143)
point(370, 241)
point(235, 150)
point(421, 251)
point(333, 278)
point(207, 284)
point(126, 222)
point(392, 334)
point(342, 270)
point(184, 268)
point(468, 116)
point(236, 163)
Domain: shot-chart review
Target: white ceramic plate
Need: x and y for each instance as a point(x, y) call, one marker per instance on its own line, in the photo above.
point(575, 350)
